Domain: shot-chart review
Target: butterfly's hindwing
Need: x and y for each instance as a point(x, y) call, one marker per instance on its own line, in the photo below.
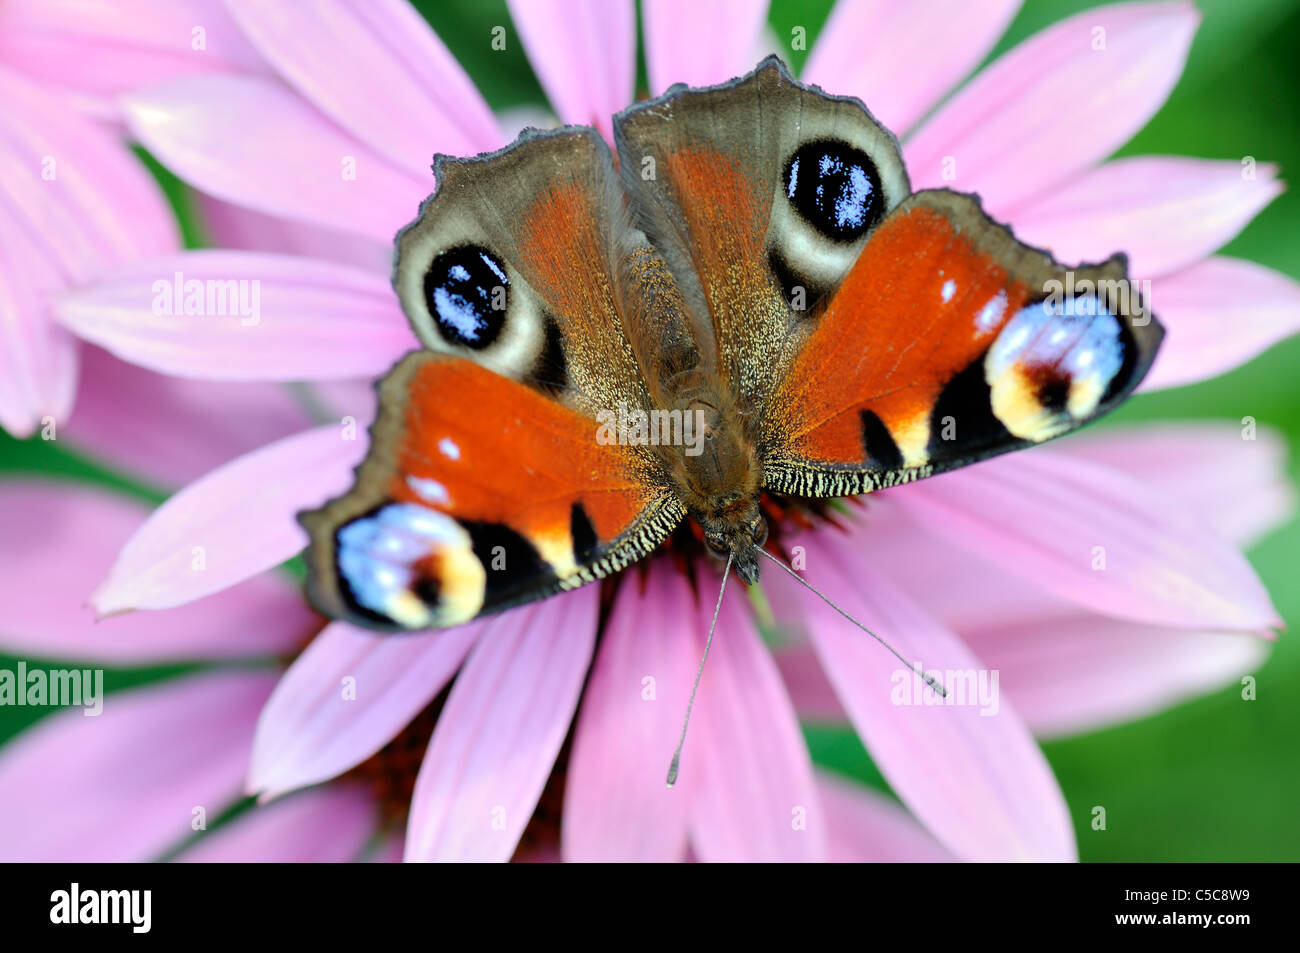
point(979, 346)
point(478, 494)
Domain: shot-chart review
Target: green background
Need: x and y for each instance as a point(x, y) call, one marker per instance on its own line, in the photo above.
point(1213, 779)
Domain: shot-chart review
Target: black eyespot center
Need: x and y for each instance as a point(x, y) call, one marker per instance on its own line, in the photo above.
point(835, 187)
point(1053, 390)
point(466, 290)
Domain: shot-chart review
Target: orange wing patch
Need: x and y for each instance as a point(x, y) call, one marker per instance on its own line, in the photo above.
point(494, 452)
point(892, 338)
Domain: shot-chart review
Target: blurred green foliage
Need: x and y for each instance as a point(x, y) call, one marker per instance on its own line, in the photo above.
point(1213, 779)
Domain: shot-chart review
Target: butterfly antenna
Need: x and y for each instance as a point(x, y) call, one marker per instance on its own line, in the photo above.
point(916, 668)
point(677, 755)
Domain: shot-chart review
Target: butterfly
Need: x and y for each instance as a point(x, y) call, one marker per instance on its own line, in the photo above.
point(745, 300)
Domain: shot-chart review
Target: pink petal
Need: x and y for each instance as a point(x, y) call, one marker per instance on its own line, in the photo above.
point(1066, 670)
point(82, 199)
point(957, 591)
point(71, 535)
point(866, 827)
point(124, 786)
point(346, 697)
point(1082, 673)
point(327, 825)
point(1218, 314)
point(584, 54)
point(1164, 212)
point(1238, 488)
point(377, 70)
point(1051, 519)
point(73, 200)
point(234, 418)
point(500, 731)
point(348, 398)
point(810, 690)
point(616, 807)
point(750, 775)
point(38, 359)
point(277, 318)
point(900, 59)
point(1044, 519)
point(253, 142)
point(1055, 104)
point(233, 226)
point(107, 47)
point(230, 525)
point(970, 772)
point(1235, 481)
point(701, 44)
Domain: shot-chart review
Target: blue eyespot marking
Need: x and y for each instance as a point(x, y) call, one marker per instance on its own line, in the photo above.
point(461, 288)
point(839, 192)
point(377, 553)
point(1066, 354)
point(1078, 337)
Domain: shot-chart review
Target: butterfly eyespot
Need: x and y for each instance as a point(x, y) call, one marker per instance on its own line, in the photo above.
point(835, 187)
point(383, 561)
point(1053, 364)
point(466, 290)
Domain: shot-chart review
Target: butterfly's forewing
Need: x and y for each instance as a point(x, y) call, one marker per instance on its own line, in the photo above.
point(513, 264)
point(487, 483)
point(949, 342)
point(716, 177)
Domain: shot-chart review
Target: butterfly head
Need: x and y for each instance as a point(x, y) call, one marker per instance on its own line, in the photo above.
point(736, 530)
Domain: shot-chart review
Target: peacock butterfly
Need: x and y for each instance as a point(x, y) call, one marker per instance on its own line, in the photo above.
point(748, 269)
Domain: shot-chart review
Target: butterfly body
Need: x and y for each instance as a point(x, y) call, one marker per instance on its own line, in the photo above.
point(746, 298)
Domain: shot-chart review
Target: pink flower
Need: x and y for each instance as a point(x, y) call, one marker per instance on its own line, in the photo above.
point(369, 90)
